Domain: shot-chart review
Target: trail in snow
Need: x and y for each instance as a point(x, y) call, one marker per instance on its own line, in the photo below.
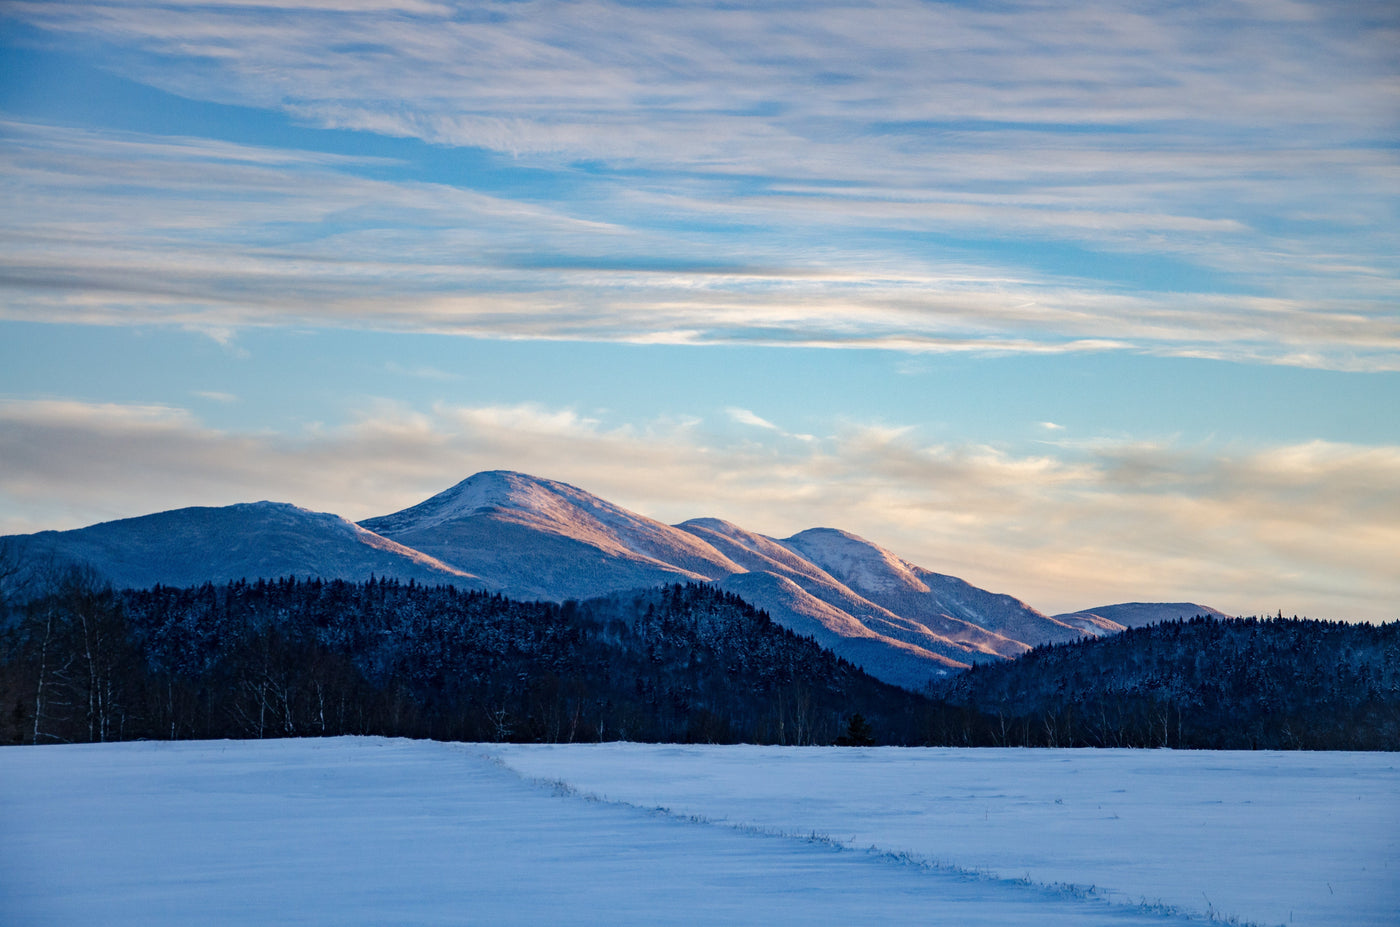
point(374, 831)
point(1268, 838)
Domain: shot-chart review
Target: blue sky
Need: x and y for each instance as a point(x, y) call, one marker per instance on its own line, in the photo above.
point(1085, 305)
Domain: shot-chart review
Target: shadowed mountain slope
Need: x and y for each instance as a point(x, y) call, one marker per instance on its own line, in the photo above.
point(187, 547)
point(531, 538)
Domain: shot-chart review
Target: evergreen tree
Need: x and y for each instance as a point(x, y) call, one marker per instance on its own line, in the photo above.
point(858, 733)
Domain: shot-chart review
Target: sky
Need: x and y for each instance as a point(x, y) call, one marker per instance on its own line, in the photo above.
point(1083, 303)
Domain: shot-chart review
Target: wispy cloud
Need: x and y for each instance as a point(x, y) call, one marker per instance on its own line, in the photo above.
point(1310, 527)
point(110, 229)
point(1203, 179)
point(746, 417)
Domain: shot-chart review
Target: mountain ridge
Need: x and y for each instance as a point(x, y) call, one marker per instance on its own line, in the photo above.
point(527, 537)
point(199, 544)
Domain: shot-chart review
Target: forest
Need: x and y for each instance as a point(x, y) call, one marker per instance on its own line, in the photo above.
point(291, 657)
point(80, 661)
point(1203, 683)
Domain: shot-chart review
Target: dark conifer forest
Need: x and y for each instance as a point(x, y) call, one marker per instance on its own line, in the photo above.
point(292, 658)
point(1205, 683)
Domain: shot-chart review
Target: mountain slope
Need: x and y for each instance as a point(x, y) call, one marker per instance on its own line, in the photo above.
point(528, 537)
point(945, 605)
point(886, 658)
point(533, 538)
point(959, 640)
point(187, 547)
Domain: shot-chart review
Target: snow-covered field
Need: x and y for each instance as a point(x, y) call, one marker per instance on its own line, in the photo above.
point(374, 831)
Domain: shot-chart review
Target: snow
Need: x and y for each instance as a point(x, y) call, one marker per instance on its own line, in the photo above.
point(190, 546)
point(552, 508)
point(375, 831)
point(1110, 618)
point(863, 566)
point(1269, 838)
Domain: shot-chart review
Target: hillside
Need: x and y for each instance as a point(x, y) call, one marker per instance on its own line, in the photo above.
point(297, 658)
point(1204, 683)
point(254, 540)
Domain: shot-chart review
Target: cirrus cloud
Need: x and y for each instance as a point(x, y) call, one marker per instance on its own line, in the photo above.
point(1207, 180)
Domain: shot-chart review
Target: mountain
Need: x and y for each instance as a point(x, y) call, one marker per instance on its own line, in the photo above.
point(536, 539)
point(532, 538)
point(191, 546)
point(958, 640)
point(887, 659)
point(528, 537)
point(1113, 618)
point(943, 604)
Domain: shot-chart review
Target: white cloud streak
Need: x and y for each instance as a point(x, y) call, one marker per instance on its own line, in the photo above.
point(824, 174)
point(1310, 528)
point(121, 230)
point(747, 417)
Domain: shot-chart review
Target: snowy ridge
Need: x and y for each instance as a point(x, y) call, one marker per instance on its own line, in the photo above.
point(805, 580)
point(536, 538)
point(882, 656)
point(855, 561)
point(187, 547)
point(1107, 619)
point(956, 643)
point(486, 524)
point(945, 605)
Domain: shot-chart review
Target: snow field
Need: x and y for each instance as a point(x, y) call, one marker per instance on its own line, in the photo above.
point(376, 831)
point(1264, 838)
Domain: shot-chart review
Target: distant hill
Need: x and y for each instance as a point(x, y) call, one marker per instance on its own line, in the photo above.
point(1204, 683)
point(185, 547)
point(1137, 614)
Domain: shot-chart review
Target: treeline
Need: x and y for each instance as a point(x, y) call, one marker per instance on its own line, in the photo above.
point(1203, 683)
point(82, 662)
point(310, 658)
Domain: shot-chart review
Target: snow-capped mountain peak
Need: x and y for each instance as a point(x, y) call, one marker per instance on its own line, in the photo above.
point(492, 489)
point(542, 504)
point(540, 538)
point(853, 560)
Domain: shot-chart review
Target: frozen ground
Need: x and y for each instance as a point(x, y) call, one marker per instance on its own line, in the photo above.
point(1268, 838)
point(373, 831)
